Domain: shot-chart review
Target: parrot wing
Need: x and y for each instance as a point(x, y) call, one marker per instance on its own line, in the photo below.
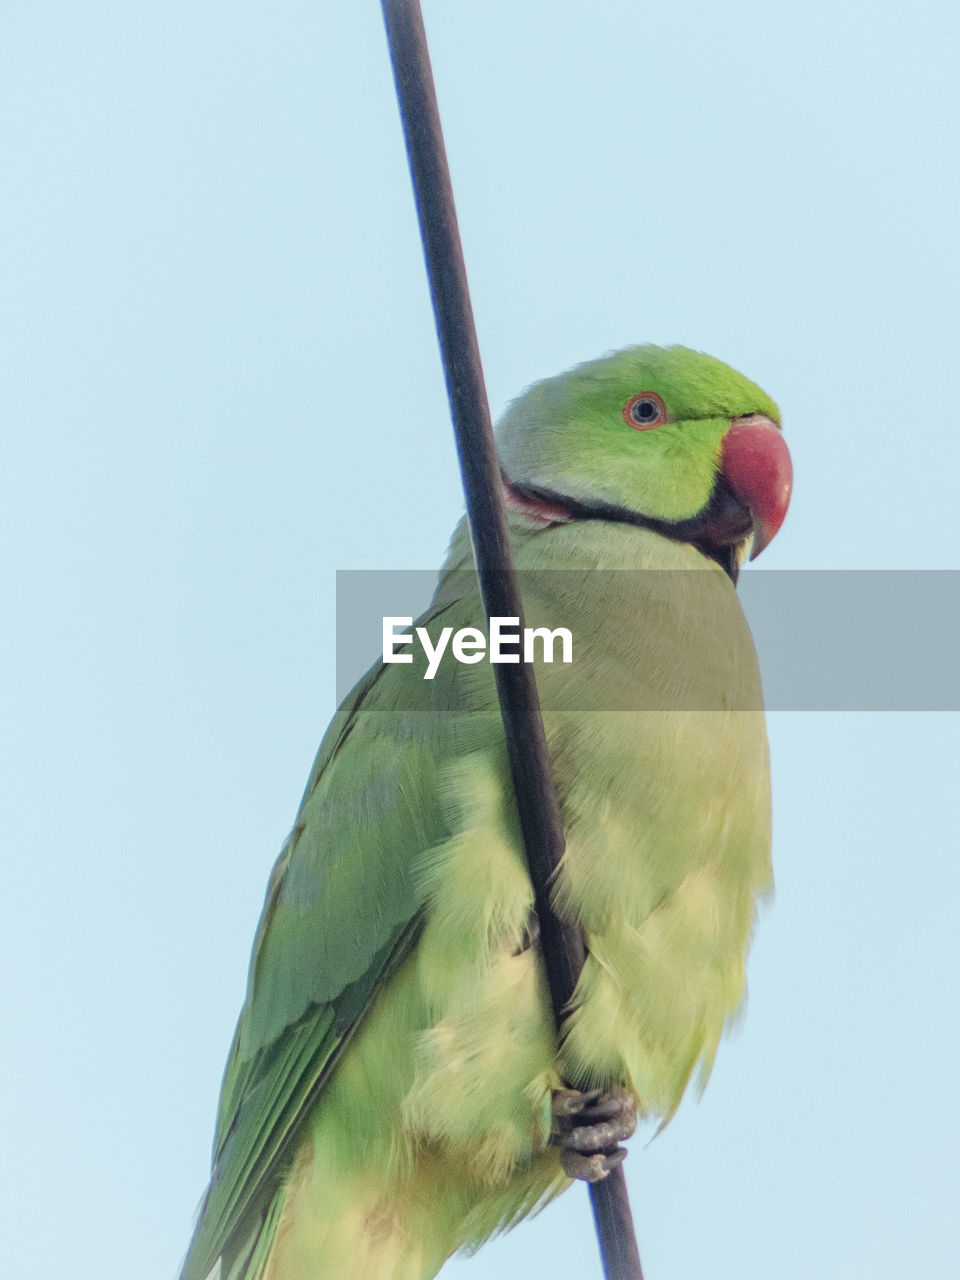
point(341, 913)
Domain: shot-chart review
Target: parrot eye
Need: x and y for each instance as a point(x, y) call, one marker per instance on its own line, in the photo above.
point(644, 411)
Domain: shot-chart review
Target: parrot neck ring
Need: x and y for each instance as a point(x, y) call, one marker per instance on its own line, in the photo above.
point(719, 531)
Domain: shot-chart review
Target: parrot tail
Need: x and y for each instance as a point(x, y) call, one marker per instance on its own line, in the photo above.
point(246, 1255)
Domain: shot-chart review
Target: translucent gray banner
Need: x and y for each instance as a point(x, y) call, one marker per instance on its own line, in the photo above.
point(841, 640)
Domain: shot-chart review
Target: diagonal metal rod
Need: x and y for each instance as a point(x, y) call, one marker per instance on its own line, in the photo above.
point(561, 941)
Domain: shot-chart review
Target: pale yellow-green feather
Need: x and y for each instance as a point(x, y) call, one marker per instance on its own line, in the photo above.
point(667, 820)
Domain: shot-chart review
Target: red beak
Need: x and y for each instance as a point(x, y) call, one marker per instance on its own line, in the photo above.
point(756, 462)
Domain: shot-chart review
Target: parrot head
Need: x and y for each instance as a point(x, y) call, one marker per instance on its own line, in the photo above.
point(663, 437)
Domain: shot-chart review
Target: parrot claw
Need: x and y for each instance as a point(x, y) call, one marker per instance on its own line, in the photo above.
point(591, 1168)
point(589, 1127)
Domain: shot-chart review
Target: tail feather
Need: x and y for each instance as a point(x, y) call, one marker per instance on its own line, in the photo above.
point(245, 1257)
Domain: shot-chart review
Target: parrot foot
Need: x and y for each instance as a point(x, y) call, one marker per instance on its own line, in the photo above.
point(589, 1127)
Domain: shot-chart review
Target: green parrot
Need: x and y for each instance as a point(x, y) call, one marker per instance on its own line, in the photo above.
point(395, 1090)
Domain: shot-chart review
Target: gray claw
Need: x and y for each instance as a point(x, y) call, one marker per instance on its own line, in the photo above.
point(591, 1168)
point(607, 1106)
point(570, 1102)
point(598, 1137)
point(588, 1128)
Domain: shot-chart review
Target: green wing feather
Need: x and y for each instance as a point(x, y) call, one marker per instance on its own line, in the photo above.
point(341, 912)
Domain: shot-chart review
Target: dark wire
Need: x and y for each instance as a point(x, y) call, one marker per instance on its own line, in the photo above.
point(561, 941)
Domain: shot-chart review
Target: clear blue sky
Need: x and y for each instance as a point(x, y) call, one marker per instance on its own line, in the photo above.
point(219, 384)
